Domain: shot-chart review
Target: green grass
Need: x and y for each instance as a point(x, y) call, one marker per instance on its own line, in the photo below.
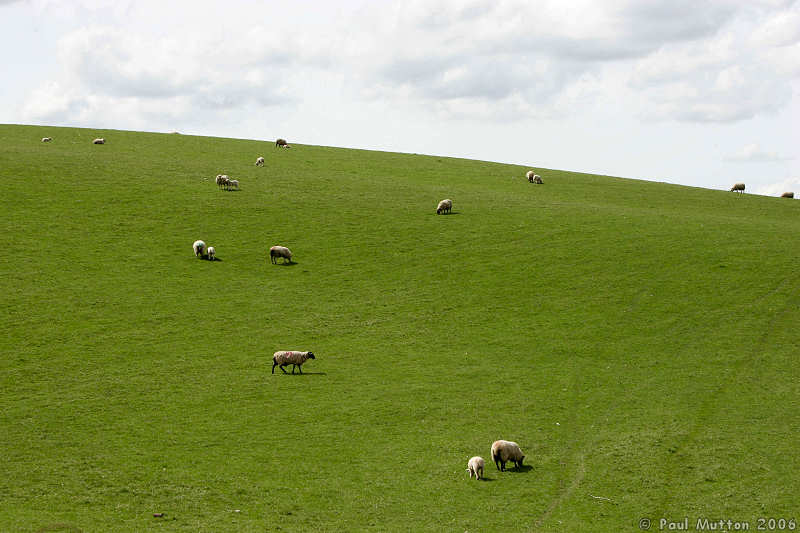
point(637, 339)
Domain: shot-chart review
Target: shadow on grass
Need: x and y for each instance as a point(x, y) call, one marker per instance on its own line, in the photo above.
point(306, 374)
point(289, 264)
point(448, 214)
point(520, 470)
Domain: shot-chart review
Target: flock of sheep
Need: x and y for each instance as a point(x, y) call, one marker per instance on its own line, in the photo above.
point(503, 451)
point(739, 187)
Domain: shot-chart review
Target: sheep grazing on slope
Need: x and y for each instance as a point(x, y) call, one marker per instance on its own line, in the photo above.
point(198, 248)
point(46, 139)
point(475, 466)
point(222, 181)
point(99, 141)
point(444, 206)
point(281, 142)
point(738, 187)
point(212, 253)
point(260, 162)
point(536, 178)
point(296, 359)
point(233, 184)
point(280, 251)
point(504, 451)
point(787, 195)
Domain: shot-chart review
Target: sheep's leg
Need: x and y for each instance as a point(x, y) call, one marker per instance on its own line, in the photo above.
point(300, 368)
point(284, 371)
point(274, 364)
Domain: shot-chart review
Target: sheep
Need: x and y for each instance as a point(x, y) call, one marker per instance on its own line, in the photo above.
point(279, 251)
point(46, 139)
point(294, 358)
point(281, 142)
point(787, 195)
point(503, 451)
point(99, 141)
point(212, 253)
point(233, 184)
point(738, 187)
point(475, 466)
point(198, 248)
point(223, 180)
point(538, 180)
point(260, 162)
point(444, 206)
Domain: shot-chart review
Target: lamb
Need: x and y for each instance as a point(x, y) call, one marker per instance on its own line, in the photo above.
point(444, 206)
point(46, 139)
point(296, 359)
point(232, 184)
point(280, 251)
point(503, 451)
point(281, 142)
point(198, 248)
point(212, 253)
point(738, 187)
point(99, 141)
point(475, 466)
point(787, 195)
point(260, 162)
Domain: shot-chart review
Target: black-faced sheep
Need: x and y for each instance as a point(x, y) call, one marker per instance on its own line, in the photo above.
point(260, 162)
point(475, 466)
point(296, 359)
point(444, 206)
point(281, 142)
point(787, 195)
point(738, 187)
point(99, 141)
point(198, 248)
point(223, 181)
point(280, 251)
point(504, 451)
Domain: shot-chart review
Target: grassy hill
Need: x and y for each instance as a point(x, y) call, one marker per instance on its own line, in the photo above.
point(637, 339)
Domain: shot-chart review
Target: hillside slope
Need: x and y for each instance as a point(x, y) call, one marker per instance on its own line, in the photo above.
point(636, 338)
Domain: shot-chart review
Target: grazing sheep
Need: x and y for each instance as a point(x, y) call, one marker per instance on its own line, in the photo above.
point(536, 179)
point(296, 359)
point(503, 451)
point(46, 139)
point(198, 248)
point(530, 174)
point(223, 181)
point(787, 195)
point(233, 184)
point(280, 251)
point(444, 206)
point(260, 162)
point(475, 466)
point(212, 253)
point(281, 142)
point(99, 141)
point(738, 187)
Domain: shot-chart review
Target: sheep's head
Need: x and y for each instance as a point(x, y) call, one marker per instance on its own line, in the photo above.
point(311, 355)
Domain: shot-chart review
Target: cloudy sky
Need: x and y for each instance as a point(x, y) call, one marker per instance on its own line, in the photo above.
point(694, 92)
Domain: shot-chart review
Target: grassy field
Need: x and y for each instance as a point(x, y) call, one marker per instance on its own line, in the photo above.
point(637, 339)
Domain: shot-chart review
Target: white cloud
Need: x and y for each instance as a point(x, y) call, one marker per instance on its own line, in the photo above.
point(754, 153)
point(779, 187)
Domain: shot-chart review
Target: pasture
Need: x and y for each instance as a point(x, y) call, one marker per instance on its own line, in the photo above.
point(637, 339)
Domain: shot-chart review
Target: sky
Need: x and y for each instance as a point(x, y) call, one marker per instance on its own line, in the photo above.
point(692, 92)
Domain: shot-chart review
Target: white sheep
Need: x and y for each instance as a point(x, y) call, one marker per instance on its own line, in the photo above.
point(280, 251)
point(787, 195)
point(198, 248)
point(738, 187)
point(46, 139)
point(294, 358)
point(260, 162)
point(503, 451)
point(212, 253)
point(475, 466)
point(233, 184)
point(222, 180)
point(99, 141)
point(444, 206)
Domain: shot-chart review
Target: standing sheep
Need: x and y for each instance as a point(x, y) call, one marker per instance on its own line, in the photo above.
point(198, 248)
point(296, 359)
point(233, 184)
point(46, 139)
point(444, 206)
point(212, 253)
point(504, 451)
point(475, 466)
point(536, 178)
point(280, 251)
point(223, 181)
point(99, 141)
point(738, 187)
point(260, 162)
point(787, 195)
point(281, 142)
